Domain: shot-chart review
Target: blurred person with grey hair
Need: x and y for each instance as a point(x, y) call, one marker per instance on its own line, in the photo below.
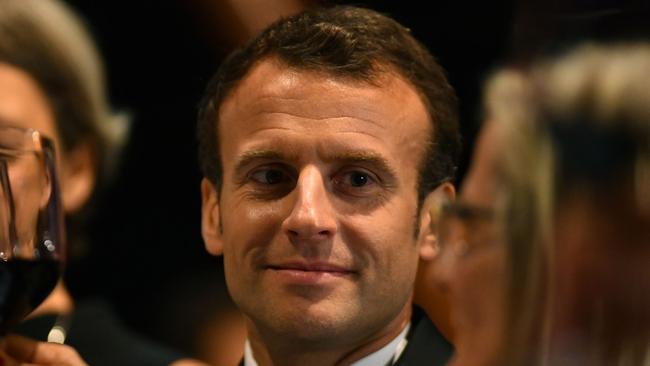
point(556, 211)
point(592, 109)
point(52, 80)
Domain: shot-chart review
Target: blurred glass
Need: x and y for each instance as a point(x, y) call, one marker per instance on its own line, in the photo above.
point(31, 228)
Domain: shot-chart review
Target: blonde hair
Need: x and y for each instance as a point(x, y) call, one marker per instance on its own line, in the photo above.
point(611, 86)
point(604, 86)
point(526, 192)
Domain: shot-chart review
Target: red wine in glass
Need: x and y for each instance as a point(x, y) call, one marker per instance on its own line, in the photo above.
point(31, 229)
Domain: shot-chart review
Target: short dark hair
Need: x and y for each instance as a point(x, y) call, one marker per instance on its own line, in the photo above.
point(348, 42)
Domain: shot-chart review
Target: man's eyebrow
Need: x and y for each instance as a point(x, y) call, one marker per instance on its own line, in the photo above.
point(251, 156)
point(366, 158)
point(373, 159)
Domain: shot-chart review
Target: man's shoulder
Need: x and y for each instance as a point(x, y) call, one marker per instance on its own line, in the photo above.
point(426, 345)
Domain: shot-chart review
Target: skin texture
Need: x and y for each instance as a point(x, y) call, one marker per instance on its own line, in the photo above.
point(22, 104)
point(317, 214)
point(431, 298)
point(474, 281)
point(17, 350)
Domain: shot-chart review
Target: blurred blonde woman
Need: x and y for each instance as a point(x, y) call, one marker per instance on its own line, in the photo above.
point(578, 217)
point(546, 252)
point(476, 260)
point(596, 110)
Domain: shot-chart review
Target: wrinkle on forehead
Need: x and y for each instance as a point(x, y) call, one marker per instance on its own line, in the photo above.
point(318, 96)
point(23, 102)
point(283, 122)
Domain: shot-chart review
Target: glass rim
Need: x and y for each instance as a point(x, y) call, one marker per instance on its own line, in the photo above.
point(32, 140)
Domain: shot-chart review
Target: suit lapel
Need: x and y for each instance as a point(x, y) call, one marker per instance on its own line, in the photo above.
point(426, 345)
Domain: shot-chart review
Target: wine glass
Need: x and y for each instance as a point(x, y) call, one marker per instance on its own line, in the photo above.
point(31, 228)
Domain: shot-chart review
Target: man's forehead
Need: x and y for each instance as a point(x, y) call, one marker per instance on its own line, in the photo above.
point(271, 87)
point(291, 150)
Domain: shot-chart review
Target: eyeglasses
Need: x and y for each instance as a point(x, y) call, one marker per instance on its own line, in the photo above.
point(27, 181)
point(31, 223)
point(464, 229)
point(15, 141)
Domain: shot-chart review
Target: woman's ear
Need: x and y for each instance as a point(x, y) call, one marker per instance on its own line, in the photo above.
point(429, 219)
point(78, 176)
point(210, 218)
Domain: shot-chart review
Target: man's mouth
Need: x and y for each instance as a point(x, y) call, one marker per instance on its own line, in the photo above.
point(309, 272)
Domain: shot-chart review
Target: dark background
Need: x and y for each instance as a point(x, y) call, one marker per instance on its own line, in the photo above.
point(147, 255)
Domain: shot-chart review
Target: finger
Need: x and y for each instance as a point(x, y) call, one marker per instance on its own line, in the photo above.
point(56, 354)
point(51, 354)
point(19, 347)
point(5, 360)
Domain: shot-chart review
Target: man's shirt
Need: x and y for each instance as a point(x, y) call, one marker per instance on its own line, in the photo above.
point(387, 355)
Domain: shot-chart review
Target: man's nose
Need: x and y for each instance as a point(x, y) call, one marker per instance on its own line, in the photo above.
point(312, 215)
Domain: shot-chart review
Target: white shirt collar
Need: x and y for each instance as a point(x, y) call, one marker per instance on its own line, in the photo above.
point(249, 360)
point(385, 356)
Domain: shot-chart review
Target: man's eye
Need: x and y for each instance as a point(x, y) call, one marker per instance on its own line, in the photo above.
point(268, 176)
point(356, 179)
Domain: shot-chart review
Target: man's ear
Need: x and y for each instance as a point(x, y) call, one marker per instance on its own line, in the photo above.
point(429, 219)
point(77, 177)
point(210, 218)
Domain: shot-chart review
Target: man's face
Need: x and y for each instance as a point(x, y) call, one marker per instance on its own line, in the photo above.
point(317, 214)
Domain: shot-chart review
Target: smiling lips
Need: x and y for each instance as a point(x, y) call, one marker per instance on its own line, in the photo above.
point(309, 273)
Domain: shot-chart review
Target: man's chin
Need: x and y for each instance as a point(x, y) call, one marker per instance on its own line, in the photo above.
point(312, 323)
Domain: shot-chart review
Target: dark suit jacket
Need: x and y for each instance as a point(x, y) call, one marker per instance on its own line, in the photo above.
point(101, 339)
point(426, 346)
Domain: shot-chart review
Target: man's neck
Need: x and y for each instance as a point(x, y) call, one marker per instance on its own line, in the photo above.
point(275, 352)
